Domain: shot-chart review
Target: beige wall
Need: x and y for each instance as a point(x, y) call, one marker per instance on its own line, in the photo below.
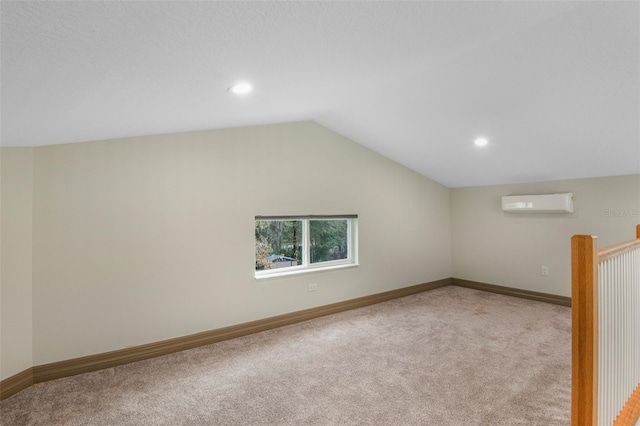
point(144, 239)
point(16, 179)
point(118, 243)
point(509, 249)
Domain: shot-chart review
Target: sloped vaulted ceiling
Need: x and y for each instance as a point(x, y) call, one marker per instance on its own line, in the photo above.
point(554, 86)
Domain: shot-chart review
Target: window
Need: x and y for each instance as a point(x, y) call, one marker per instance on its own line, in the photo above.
point(294, 244)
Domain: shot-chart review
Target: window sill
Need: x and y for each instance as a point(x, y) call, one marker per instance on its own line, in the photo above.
point(303, 271)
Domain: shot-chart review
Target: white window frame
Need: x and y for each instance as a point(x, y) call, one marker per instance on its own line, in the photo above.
point(307, 266)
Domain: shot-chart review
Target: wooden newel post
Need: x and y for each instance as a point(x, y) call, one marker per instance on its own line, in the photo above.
point(584, 334)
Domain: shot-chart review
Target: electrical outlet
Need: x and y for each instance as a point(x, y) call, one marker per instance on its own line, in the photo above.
point(313, 287)
point(544, 271)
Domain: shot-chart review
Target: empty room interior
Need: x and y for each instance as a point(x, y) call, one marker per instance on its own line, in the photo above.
point(144, 144)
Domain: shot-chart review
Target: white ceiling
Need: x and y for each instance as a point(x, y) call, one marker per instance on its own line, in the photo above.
point(553, 85)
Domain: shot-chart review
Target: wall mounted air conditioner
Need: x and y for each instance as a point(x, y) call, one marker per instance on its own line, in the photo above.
point(543, 203)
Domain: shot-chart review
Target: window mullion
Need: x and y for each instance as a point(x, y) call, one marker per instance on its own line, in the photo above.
point(306, 243)
point(349, 239)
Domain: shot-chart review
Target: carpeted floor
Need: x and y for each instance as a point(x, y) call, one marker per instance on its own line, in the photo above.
point(451, 356)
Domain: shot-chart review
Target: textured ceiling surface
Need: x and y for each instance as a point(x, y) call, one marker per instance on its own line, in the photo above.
point(554, 85)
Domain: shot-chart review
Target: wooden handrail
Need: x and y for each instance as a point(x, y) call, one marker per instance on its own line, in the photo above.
point(585, 258)
point(617, 249)
point(584, 335)
point(630, 413)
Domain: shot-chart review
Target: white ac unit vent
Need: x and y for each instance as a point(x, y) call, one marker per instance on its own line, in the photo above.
point(543, 203)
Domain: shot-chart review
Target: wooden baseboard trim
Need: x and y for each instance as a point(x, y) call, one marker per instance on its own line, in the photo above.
point(516, 292)
point(16, 383)
point(56, 370)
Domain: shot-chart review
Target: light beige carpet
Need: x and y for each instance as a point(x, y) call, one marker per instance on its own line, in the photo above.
point(451, 356)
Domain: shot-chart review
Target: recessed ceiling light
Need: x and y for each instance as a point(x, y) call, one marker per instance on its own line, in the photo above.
point(481, 141)
point(241, 88)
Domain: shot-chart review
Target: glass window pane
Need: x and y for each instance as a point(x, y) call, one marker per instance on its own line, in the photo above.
point(328, 240)
point(278, 244)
